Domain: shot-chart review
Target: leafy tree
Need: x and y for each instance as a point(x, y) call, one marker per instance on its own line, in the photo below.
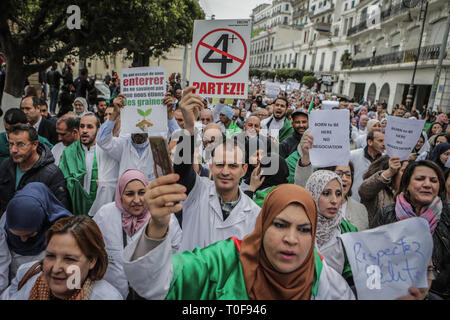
point(33, 33)
point(309, 81)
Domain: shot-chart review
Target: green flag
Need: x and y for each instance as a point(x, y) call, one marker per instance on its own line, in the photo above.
point(311, 105)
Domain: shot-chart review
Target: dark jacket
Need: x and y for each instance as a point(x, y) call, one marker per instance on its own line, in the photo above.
point(441, 245)
point(66, 98)
point(54, 78)
point(47, 129)
point(289, 145)
point(44, 170)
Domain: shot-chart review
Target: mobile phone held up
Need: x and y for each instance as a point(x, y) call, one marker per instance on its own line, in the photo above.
point(161, 156)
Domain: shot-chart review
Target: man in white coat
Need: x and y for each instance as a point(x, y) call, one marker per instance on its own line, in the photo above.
point(130, 151)
point(214, 210)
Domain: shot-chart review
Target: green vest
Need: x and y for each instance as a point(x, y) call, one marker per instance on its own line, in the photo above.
point(286, 130)
point(73, 166)
point(260, 195)
point(215, 273)
point(345, 227)
point(232, 130)
point(291, 162)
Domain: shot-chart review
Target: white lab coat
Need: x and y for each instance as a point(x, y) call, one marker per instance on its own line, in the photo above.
point(203, 222)
point(102, 289)
point(155, 285)
point(108, 175)
point(121, 150)
point(109, 220)
point(361, 164)
point(9, 260)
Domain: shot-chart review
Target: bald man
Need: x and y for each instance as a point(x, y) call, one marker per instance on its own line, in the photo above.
point(252, 126)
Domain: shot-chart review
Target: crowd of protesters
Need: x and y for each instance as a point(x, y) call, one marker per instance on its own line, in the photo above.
point(76, 191)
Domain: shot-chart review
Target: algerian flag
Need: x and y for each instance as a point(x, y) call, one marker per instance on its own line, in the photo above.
point(311, 105)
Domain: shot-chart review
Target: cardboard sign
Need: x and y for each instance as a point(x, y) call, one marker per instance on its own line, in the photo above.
point(387, 260)
point(220, 58)
point(331, 146)
point(272, 89)
point(144, 112)
point(401, 136)
point(329, 104)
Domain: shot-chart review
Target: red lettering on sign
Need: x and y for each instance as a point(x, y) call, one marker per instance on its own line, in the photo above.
point(196, 86)
point(219, 87)
point(211, 88)
point(233, 88)
point(225, 88)
point(202, 88)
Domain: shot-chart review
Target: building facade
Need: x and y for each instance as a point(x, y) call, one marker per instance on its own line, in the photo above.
point(364, 49)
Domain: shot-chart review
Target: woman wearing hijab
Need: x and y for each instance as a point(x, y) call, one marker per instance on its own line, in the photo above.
point(73, 243)
point(440, 154)
point(276, 261)
point(29, 214)
point(121, 222)
point(422, 147)
point(80, 107)
point(327, 191)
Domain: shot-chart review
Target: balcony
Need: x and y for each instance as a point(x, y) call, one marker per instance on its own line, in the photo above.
point(426, 53)
point(384, 16)
point(320, 11)
point(322, 27)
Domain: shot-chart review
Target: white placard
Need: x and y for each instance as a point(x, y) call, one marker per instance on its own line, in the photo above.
point(401, 136)
point(387, 260)
point(329, 104)
point(220, 58)
point(295, 86)
point(144, 88)
point(447, 164)
point(283, 87)
point(272, 89)
point(330, 130)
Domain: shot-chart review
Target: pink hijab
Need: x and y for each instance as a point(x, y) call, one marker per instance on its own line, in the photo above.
point(131, 224)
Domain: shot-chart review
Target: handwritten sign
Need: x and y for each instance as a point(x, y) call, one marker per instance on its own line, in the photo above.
point(144, 89)
point(272, 89)
point(329, 104)
point(387, 260)
point(331, 144)
point(401, 136)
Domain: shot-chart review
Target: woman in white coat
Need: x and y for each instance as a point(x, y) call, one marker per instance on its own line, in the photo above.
point(121, 223)
point(75, 255)
point(30, 213)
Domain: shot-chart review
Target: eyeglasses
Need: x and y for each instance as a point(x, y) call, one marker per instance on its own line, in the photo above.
point(19, 145)
point(348, 174)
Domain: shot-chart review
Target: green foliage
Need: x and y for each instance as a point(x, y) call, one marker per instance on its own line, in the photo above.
point(148, 112)
point(309, 81)
point(282, 74)
point(34, 32)
point(257, 31)
point(141, 112)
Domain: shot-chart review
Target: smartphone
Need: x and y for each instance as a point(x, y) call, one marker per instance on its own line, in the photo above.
point(161, 156)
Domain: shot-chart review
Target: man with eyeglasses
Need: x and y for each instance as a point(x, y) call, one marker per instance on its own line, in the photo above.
point(30, 161)
point(13, 117)
point(278, 120)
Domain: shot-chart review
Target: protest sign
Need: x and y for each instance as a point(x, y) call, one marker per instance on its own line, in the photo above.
point(294, 86)
point(331, 144)
point(272, 89)
point(387, 260)
point(282, 87)
point(329, 104)
point(220, 58)
point(401, 136)
point(144, 89)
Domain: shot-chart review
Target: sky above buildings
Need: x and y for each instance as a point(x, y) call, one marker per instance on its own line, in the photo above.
point(230, 9)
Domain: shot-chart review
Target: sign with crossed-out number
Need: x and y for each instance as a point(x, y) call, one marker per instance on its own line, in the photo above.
point(220, 58)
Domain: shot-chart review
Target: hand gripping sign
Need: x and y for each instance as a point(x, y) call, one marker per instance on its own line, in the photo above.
point(220, 58)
